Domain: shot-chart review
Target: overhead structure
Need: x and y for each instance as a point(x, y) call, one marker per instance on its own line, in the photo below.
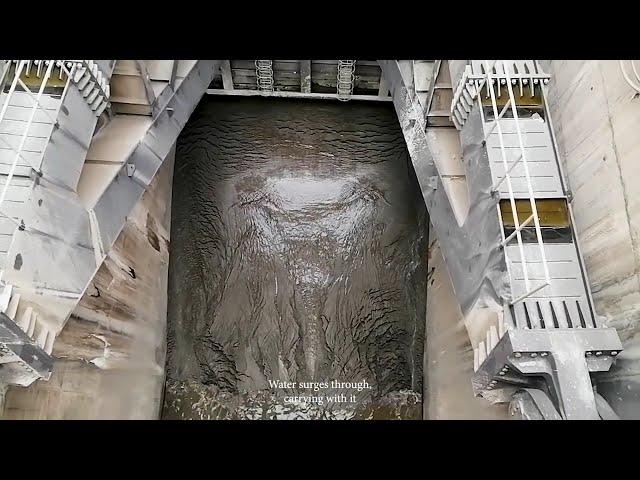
point(498, 201)
point(314, 79)
point(81, 140)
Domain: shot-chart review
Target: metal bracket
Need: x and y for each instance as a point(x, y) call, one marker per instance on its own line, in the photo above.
point(22, 361)
point(533, 404)
point(146, 81)
point(174, 73)
point(131, 168)
point(561, 358)
point(96, 238)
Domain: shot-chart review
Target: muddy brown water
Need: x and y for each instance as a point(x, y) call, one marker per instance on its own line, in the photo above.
point(298, 254)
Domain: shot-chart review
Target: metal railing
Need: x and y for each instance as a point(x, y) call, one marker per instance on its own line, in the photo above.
point(44, 71)
point(505, 81)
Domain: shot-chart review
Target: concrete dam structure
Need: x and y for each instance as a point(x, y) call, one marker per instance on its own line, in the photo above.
point(319, 239)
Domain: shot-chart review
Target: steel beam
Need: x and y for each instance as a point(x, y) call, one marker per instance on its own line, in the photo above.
point(305, 76)
point(285, 94)
point(563, 358)
point(21, 360)
point(227, 78)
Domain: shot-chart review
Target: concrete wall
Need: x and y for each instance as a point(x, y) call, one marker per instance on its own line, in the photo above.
point(448, 358)
point(596, 118)
point(110, 356)
point(80, 391)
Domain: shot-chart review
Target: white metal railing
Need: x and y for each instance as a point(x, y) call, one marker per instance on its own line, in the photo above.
point(346, 78)
point(94, 85)
point(43, 71)
point(472, 81)
point(505, 80)
point(264, 75)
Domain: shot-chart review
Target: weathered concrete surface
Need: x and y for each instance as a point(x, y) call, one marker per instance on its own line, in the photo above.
point(110, 356)
point(596, 119)
point(297, 246)
point(3, 392)
point(80, 391)
point(448, 357)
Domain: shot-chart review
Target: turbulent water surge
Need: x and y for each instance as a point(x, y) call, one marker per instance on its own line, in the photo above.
point(297, 264)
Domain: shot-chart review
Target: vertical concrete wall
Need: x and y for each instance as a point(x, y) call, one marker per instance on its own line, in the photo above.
point(596, 118)
point(110, 356)
point(3, 392)
point(80, 391)
point(448, 358)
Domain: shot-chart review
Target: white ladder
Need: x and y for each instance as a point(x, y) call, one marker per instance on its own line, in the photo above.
point(503, 79)
point(264, 75)
point(346, 78)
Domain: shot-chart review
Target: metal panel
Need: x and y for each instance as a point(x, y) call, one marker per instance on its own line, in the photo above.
point(31, 144)
point(25, 160)
point(23, 113)
point(106, 67)
point(57, 259)
point(544, 173)
point(13, 126)
point(23, 99)
point(42, 250)
point(114, 205)
point(51, 255)
point(5, 241)
point(64, 156)
point(522, 67)
point(27, 360)
point(16, 127)
point(564, 357)
point(159, 69)
point(163, 135)
point(567, 286)
point(63, 159)
point(474, 257)
point(51, 262)
point(17, 193)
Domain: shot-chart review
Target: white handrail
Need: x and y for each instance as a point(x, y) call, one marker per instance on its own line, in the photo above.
point(25, 134)
point(489, 84)
point(519, 229)
point(507, 175)
point(534, 208)
point(514, 164)
point(502, 112)
point(14, 83)
point(35, 98)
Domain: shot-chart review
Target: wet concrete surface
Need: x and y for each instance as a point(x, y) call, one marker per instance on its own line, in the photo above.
point(298, 254)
